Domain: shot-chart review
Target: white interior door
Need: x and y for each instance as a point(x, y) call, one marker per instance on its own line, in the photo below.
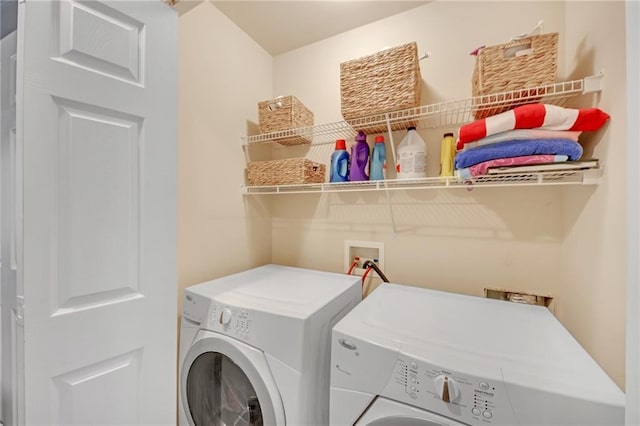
point(96, 248)
point(7, 181)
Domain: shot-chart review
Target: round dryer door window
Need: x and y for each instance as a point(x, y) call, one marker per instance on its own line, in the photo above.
point(403, 421)
point(219, 393)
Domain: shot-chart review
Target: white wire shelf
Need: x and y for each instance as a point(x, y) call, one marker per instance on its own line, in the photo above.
point(547, 178)
point(449, 113)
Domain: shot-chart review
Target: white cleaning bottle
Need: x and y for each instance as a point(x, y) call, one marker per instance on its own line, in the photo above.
point(412, 156)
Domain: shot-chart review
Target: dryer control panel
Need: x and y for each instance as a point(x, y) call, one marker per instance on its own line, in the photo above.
point(232, 321)
point(464, 397)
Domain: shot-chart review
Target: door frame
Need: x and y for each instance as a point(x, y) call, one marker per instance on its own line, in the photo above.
point(250, 360)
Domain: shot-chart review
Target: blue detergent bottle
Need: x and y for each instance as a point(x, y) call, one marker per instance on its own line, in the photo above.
point(359, 159)
point(339, 163)
point(379, 160)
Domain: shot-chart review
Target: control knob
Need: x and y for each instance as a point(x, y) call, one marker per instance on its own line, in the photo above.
point(447, 388)
point(225, 316)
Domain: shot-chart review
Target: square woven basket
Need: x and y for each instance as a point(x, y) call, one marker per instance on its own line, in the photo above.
point(282, 114)
point(501, 69)
point(386, 81)
point(285, 172)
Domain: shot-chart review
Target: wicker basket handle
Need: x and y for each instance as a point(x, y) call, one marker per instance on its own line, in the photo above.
point(519, 48)
point(276, 104)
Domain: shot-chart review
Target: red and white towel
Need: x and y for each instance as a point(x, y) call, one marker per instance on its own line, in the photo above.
point(541, 116)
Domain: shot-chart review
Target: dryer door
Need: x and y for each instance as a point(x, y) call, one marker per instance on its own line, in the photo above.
point(226, 382)
point(385, 412)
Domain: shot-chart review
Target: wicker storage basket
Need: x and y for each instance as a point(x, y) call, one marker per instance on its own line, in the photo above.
point(285, 113)
point(285, 172)
point(498, 70)
point(386, 81)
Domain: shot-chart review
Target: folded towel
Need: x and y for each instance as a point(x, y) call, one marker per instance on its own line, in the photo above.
point(542, 116)
point(481, 168)
point(523, 134)
point(511, 149)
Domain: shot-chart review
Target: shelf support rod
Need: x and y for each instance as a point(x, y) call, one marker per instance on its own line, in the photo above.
point(245, 150)
point(393, 161)
point(391, 142)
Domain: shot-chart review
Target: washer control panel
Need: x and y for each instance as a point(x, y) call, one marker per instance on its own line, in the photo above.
point(230, 320)
point(470, 399)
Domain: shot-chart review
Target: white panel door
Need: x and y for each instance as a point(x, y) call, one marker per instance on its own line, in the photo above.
point(97, 255)
point(8, 290)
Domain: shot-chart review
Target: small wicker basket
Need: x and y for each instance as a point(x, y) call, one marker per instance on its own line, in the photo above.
point(386, 81)
point(501, 69)
point(285, 113)
point(285, 172)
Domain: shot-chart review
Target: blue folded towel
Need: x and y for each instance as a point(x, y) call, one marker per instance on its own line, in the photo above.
point(519, 148)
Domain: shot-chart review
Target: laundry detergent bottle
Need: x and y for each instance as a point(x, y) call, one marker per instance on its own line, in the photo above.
point(412, 156)
point(379, 160)
point(447, 154)
point(359, 159)
point(339, 163)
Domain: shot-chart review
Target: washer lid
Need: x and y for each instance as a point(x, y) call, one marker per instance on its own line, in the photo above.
point(525, 342)
point(279, 289)
point(417, 315)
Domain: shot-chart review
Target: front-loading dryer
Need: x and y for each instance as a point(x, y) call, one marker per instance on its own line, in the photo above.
point(255, 346)
point(408, 356)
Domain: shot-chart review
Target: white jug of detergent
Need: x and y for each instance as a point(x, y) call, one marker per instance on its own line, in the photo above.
point(412, 156)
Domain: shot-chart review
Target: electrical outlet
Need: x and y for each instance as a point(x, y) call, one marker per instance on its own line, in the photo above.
point(363, 250)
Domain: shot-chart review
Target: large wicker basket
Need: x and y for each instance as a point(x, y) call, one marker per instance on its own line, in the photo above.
point(500, 69)
point(386, 81)
point(285, 172)
point(282, 114)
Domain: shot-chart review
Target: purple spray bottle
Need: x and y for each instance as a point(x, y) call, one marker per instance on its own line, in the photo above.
point(359, 159)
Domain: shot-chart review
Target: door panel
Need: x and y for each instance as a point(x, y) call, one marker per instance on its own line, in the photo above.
point(96, 264)
point(80, 397)
point(97, 258)
point(99, 38)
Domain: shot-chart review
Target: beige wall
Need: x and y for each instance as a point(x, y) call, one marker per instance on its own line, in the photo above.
point(557, 241)
point(591, 300)
point(453, 240)
point(222, 75)
point(449, 30)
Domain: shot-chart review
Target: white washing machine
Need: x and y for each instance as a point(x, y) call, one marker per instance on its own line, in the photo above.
point(255, 346)
point(410, 356)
